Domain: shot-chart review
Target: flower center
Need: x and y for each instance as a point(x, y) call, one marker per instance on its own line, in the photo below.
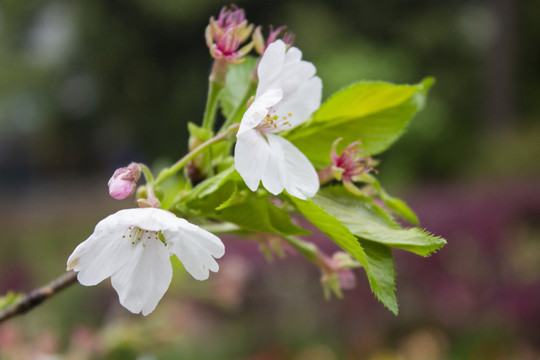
point(137, 235)
point(274, 122)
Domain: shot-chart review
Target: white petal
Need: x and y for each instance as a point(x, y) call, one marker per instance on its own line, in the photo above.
point(302, 180)
point(150, 219)
point(209, 241)
point(259, 109)
point(251, 154)
point(99, 256)
point(302, 103)
point(196, 249)
point(275, 174)
point(294, 75)
point(293, 55)
point(145, 278)
point(270, 67)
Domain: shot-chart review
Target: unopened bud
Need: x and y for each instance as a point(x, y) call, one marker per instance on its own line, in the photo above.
point(347, 279)
point(123, 183)
point(343, 260)
point(152, 202)
point(250, 101)
point(331, 285)
point(337, 275)
point(142, 192)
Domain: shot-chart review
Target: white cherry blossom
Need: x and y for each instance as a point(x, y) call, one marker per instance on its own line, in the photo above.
point(133, 247)
point(287, 94)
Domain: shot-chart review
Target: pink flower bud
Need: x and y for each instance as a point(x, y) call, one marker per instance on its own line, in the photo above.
point(337, 273)
point(152, 202)
point(350, 164)
point(123, 183)
point(225, 35)
point(347, 279)
point(120, 189)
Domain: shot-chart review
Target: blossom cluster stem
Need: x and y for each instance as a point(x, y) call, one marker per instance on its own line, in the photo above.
point(38, 296)
point(310, 251)
point(170, 171)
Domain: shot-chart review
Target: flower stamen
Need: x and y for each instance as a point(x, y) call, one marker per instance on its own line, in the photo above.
point(137, 235)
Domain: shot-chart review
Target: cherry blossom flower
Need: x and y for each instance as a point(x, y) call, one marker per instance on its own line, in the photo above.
point(351, 163)
point(133, 247)
point(287, 94)
point(349, 166)
point(225, 35)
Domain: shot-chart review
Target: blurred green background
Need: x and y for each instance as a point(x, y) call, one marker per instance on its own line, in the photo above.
point(88, 86)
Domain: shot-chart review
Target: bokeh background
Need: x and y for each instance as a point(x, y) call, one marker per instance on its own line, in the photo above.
point(88, 86)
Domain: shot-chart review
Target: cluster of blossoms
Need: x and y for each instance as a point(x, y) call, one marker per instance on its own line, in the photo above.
point(133, 246)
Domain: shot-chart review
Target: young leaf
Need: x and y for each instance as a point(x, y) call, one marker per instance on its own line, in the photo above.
point(382, 269)
point(209, 194)
point(9, 299)
point(363, 218)
point(198, 132)
point(336, 231)
point(259, 214)
point(236, 85)
point(212, 184)
point(376, 113)
point(398, 206)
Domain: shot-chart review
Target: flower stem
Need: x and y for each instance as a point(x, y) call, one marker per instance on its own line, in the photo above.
point(221, 227)
point(216, 82)
point(147, 173)
point(307, 249)
point(170, 171)
point(211, 105)
point(325, 175)
point(311, 252)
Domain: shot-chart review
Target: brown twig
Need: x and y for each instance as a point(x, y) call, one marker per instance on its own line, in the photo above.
point(37, 296)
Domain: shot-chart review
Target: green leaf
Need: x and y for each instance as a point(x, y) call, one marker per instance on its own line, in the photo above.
point(382, 269)
point(259, 214)
point(9, 299)
point(236, 85)
point(209, 194)
point(363, 218)
point(398, 206)
point(198, 132)
point(212, 184)
point(345, 239)
point(332, 227)
point(376, 113)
